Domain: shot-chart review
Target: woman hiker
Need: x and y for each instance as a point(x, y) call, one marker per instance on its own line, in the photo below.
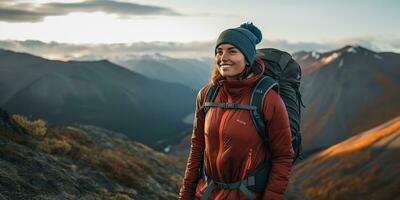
point(228, 159)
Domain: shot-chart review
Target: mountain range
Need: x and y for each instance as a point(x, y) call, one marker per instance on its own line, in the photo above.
point(346, 91)
point(97, 93)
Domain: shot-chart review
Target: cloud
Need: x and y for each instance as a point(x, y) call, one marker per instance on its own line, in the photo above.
point(64, 51)
point(293, 47)
point(15, 15)
point(373, 43)
point(28, 12)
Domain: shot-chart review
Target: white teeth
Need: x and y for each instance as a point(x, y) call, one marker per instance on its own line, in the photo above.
point(226, 66)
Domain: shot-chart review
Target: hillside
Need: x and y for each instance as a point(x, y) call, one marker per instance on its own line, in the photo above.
point(365, 166)
point(80, 162)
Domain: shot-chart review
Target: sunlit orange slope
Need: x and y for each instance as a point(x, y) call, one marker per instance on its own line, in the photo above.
point(366, 166)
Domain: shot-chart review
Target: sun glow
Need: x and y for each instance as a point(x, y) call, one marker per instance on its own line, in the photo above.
point(99, 27)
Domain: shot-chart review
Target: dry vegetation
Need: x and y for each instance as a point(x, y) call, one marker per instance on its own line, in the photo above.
point(36, 127)
point(153, 175)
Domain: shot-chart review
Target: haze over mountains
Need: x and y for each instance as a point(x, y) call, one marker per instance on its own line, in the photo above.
point(94, 92)
point(193, 73)
point(347, 91)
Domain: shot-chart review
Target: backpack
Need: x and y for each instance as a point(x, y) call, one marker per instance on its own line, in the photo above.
point(281, 67)
point(283, 74)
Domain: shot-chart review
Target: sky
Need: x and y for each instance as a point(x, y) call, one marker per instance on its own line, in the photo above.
point(295, 25)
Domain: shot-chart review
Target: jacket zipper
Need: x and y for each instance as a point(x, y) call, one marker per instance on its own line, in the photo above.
point(248, 163)
point(221, 145)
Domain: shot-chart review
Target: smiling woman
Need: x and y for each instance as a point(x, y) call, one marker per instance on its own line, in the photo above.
point(228, 158)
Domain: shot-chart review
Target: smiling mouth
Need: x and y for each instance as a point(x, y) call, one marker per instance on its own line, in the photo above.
point(225, 66)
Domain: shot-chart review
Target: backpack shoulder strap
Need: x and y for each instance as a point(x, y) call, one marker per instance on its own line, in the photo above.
point(265, 84)
point(210, 96)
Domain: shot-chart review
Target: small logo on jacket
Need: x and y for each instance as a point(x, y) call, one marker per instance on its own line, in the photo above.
point(240, 121)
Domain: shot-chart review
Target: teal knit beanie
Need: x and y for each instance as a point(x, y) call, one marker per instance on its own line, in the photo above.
point(245, 37)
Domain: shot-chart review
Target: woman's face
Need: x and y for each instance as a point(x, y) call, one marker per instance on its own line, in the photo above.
point(229, 61)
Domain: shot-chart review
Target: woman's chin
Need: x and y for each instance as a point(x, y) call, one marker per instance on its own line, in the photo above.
point(229, 76)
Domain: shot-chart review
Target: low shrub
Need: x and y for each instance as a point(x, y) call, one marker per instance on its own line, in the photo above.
point(51, 145)
point(36, 127)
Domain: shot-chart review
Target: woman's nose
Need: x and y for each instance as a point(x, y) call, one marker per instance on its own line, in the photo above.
point(224, 56)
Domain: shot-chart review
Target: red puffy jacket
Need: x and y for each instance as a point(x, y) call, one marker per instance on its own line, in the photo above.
point(232, 147)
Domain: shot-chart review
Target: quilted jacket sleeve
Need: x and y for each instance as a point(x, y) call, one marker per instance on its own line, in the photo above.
point(190, 179)
point(278, 128)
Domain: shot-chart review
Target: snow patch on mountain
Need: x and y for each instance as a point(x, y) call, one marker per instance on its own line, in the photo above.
point(330, 58)
point(305, 57)
point(352, 50)
point(315, 55)
point(341, 63)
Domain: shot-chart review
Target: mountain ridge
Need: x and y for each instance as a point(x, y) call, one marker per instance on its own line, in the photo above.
point(99, 93)
point(339, 94)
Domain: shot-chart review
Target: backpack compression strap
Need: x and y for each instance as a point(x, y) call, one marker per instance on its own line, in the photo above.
point(210, 98)
point(254, 181)
point(257, 100)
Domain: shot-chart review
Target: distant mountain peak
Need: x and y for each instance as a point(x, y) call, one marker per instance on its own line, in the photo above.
point(313, 60)
point(304, 55)
point(352, 49)
point(356, 49)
